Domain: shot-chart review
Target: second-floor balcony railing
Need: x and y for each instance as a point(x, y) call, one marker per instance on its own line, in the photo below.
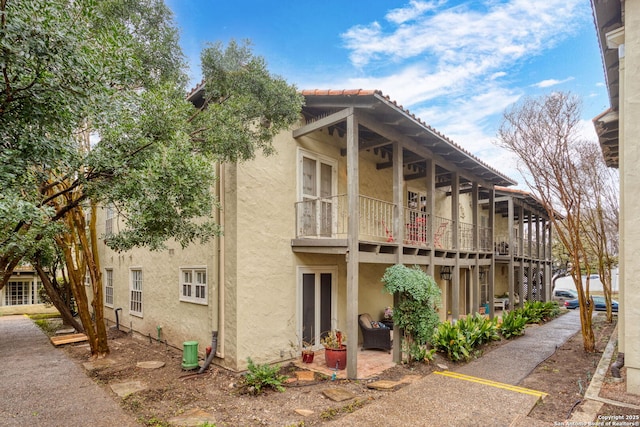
point(519, 247)
point(327, 217)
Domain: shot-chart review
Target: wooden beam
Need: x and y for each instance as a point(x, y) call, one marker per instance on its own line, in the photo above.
point(412, 145)
point(323, 122)
point(68, 339)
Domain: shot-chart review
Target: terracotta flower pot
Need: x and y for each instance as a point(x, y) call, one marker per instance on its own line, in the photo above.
point(307, 356)
point(336, 357)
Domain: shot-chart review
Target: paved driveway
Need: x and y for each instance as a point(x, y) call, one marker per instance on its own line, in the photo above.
point(41, 386)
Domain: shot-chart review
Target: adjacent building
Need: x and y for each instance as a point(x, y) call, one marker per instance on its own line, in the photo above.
point(618, 128)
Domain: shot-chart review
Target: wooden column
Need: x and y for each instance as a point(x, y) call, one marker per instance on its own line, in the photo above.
point(352, 246)
point(510, 272)
point(475, 282)
point(398, 230)
point(530, 275)
point(431, 202)
point(455, 220)
point(492, 267)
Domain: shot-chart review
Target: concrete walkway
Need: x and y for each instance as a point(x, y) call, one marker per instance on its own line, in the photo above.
point(478, 393)
point(41, 386)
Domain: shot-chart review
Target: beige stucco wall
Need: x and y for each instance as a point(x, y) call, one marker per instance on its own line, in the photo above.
point(179, 321)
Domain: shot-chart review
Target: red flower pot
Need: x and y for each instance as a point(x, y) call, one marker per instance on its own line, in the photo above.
point(336, 357)
point(307, 356)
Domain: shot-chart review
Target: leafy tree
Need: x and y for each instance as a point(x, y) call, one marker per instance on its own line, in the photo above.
point(93, 113)
point(543, 133)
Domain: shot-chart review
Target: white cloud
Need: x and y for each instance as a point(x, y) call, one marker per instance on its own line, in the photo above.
point(505, 32)
point(551, 82)
point(412, 11)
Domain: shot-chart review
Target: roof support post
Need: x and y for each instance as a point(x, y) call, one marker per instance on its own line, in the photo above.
point(492, 267)
point(510, 272)
point(353, 261)
point(529, 257)
point(431, 202)
point(398, 231)
point(455, 219)
point(475, 291)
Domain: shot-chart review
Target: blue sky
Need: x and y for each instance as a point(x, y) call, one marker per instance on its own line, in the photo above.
point(455, 64)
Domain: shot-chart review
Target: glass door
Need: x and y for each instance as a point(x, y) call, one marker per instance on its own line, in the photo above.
point(318, 305)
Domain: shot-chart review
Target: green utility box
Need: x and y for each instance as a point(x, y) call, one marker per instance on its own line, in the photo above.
point(190, 355)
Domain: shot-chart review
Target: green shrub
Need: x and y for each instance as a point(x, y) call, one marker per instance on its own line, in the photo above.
point(479, 329)
point(538, 311)
point(513, 324)
point(450, 339)
point(260, 376)
point(418, 352)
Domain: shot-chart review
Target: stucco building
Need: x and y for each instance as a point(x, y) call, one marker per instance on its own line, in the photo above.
point(618, 29)
point(358, 185)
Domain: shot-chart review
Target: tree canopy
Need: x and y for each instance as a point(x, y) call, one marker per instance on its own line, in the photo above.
point(93, 112)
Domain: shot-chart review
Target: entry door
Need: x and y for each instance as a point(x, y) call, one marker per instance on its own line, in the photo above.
point(318, 305)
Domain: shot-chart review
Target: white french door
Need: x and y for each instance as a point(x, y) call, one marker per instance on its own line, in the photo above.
point(317, 186)
point(317, 303)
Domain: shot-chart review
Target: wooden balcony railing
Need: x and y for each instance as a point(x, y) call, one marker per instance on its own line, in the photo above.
point(327, 217)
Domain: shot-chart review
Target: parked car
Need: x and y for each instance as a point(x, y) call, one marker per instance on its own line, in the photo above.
point(561, 295)
point(599, 302)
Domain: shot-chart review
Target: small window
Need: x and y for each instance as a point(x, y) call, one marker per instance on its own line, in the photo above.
point(108, 226)
point(108, 287)
point(135, 300)
point(193, 285)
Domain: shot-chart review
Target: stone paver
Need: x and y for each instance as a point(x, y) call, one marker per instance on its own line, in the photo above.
point(384, 385)
point(193, 417)
point(338, 394)
point(126, 388)
point(150, 364)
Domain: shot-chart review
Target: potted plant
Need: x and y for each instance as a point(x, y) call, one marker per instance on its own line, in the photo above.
point(307, 352)
point(335, 350)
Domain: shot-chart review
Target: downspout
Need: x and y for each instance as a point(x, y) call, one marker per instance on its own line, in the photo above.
point(219, 350)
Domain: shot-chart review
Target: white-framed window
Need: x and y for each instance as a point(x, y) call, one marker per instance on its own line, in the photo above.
point(87, 277)
point(135, 292)
point(193, 285)
point(16, 293)
point(108, 287)
point(108, 226)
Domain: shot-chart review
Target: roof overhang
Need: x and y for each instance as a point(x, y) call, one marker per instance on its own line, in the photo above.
point(607, 15)
point(386, 121)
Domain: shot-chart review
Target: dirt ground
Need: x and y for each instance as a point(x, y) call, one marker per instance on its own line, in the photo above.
point(172, 391)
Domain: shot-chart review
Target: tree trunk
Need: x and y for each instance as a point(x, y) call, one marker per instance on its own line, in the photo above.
point(57, 300)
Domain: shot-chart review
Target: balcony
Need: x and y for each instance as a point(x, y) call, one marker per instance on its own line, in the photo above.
point(327, 218)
